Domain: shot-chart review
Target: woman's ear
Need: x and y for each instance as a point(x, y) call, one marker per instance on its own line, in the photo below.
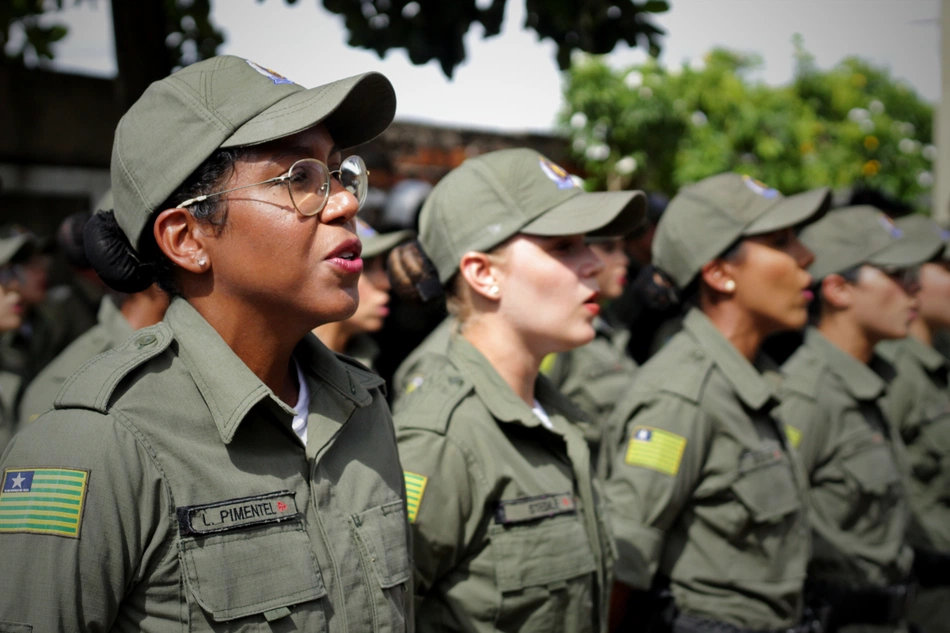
point(180, 238)
point(479, 273)
point(837, 292)
point(717, 275)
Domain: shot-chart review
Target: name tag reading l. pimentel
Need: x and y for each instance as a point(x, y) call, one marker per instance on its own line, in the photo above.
point(232, 514)
point(533, 508)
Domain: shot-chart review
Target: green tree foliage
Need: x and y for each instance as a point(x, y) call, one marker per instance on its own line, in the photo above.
point(656, 128)
point(190, 35)
point(434, 29)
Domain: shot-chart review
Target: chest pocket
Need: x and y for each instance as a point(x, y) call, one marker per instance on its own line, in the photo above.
point(544, 572)
point(382, 534)
point(240, 580)
point(771, 541)
point(871, 471)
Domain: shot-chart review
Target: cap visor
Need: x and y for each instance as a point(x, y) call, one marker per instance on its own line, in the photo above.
point(355, 110)
point(905, 252)
point(599, 214)
point(384, 242)
point(792, 211)
point(10, 247)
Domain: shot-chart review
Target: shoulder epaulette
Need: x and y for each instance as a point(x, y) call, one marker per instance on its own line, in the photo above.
point(804, 382)
point(430, 406)
point(688, 379)
point(363, 374)
point(92, 385)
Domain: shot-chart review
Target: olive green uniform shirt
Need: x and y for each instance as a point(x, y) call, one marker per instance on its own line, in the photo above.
point(506, 517)
point(703, 488)
point(198, 507)
point(918, 404)
point(430, 355)
point(831, 404)
point(111, 331)
point(594, 376)
point(9, 388)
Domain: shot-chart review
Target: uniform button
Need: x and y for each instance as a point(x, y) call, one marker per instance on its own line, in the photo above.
point(145, 340)
point(698, 354)
point(455, 380)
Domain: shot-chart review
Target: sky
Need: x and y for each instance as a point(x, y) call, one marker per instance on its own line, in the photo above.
point(512, 83)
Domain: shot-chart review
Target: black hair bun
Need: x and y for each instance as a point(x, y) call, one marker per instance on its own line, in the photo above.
point(412, 274)
point(113, 257)
point(657, 289)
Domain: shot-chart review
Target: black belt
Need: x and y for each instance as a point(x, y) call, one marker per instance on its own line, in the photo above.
point(692, 624)
point(870, 605)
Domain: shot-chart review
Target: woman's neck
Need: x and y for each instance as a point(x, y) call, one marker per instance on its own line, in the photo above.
point(334, 335)
point(844, 334)
point(922, 331)
point(507, 353)
point(737, 326)
point(260, 340)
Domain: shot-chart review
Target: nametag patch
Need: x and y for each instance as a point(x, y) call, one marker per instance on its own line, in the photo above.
point(233, 514)
point(533, 508)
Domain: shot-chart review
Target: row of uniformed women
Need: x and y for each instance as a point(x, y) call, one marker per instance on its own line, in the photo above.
point(221, 470)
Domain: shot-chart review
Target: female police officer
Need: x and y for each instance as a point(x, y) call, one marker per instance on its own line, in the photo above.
point(505, 514)
point(704, 490)
point(167, 489)
point(832, 401)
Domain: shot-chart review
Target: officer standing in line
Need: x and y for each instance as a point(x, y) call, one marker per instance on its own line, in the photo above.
point(707, 500)
point(119, 317)
point(918, 404)
point(595, 376)
point(221, 470)
point(351, 337)
point(865, 273)
point(11, 317)
point(506, 514)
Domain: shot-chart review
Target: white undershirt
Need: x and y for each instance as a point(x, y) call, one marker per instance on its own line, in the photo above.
point(302, 408)
point(539, 411)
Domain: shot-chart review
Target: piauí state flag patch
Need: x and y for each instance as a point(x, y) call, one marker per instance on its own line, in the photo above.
point(43, 501)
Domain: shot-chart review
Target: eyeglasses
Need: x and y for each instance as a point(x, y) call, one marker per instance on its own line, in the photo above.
point(308, 183)
point(905, 276)
point(11, 273)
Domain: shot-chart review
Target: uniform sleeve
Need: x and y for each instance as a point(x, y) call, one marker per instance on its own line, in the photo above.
point(441, 501)
point(83, 512)
point(652, 478)
point(806, 426)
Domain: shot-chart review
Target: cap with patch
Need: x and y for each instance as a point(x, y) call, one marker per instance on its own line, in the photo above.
point(10, 247)
point(226, 102)
point(492, 197)
point(704, 219)
point(375, 243)
point(853, 236)
point(928, 235)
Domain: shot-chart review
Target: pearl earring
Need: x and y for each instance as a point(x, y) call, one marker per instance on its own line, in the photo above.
point(493, 290)
point(730, 285)
point(202, 261)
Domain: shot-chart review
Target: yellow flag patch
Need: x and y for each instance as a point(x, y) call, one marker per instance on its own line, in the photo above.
point(794, 435)
point(655, 449)
point(415, 488)
point(43, 501)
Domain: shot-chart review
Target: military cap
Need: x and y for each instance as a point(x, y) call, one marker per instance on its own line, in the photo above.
point(704, 219)
point(375, 243)
point(226, 102)
point(492, 197)
point(858, 235)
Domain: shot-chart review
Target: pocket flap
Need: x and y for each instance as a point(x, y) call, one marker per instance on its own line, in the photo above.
point(383, 531)
point(768, 491)
point(872, 467)
point(530, 555)
point(251, 571)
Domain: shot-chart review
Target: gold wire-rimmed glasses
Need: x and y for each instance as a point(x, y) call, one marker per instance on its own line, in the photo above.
point(308, 183)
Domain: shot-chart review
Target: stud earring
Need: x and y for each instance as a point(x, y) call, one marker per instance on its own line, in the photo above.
point(202, 261)
point(493, 290)
point(730, 285)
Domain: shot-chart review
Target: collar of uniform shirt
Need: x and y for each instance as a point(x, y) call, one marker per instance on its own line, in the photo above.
point(861, 381)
